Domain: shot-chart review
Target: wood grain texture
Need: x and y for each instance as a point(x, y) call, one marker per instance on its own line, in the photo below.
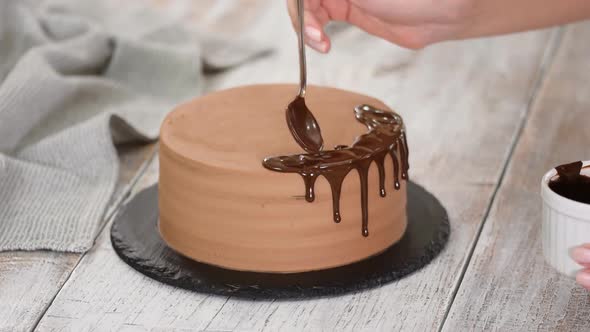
point(508, 286)
point(28, 283)
point(91, 304)
point(463, 103)
point(30, 280)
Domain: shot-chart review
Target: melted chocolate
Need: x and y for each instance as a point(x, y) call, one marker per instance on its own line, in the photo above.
point(386, 136)
point(570, 183)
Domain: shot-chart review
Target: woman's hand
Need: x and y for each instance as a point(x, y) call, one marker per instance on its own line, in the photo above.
point(409, 23)
point(418, 23)
point(581, 255)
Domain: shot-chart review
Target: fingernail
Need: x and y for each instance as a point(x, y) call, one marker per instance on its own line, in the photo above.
point(313, 34)
point(581, 255)
point(318, 46)
point(583, 278)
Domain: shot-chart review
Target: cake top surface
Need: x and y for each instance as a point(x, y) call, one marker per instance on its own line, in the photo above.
point(239, 127)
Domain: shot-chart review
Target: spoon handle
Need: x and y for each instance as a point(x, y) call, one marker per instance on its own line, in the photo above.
point(302, 61)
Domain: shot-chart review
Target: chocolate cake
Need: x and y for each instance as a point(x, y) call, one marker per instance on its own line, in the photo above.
point(236, 191)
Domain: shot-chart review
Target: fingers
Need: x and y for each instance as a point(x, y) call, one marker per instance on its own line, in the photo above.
point(402, 35)
point(315, 20)
point(315, 36)
point(318, 13)
point(583, 278)
point(581, 255)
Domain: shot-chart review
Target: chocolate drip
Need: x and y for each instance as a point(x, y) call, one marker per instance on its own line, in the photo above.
point(363, 170)
point(309, 179)
point(570, 183)
point(386, 136)
point(336, 186)
point(393, 155)
point(406, 154)
point(380, 161)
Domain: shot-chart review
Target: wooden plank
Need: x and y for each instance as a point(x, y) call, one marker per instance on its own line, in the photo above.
point(508, 286)
point(30, 280)
point(28, 283)
point(90, 302)
point(463, 103)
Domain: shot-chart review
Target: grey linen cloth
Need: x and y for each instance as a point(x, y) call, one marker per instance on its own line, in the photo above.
point(73, 83)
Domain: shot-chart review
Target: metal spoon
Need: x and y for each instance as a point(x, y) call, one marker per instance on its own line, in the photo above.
point(302, 124)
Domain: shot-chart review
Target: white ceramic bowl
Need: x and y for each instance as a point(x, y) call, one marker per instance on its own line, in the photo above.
point(566, 224)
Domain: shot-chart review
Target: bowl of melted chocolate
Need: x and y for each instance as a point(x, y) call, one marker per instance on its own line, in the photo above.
point(571, 183)
point(566, 213)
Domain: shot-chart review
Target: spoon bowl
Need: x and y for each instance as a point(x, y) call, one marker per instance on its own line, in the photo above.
point(303, 126)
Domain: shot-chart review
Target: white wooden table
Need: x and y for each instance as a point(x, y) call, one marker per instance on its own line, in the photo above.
point(485, 118)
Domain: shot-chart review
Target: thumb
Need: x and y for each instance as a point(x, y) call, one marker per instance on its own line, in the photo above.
point(581, 255)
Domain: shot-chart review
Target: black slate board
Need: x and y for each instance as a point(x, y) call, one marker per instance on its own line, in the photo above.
point(136, 240)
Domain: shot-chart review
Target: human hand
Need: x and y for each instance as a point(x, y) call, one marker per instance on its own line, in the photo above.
point(412, 24)
point(581, 255)
point(417, 23)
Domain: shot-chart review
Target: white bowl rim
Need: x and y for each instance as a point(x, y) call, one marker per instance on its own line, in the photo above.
point(564, 205)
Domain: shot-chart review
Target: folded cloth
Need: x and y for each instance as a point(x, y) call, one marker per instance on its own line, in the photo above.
point(73, 83)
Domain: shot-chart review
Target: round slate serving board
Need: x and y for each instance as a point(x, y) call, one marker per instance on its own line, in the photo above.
point(136, 240)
